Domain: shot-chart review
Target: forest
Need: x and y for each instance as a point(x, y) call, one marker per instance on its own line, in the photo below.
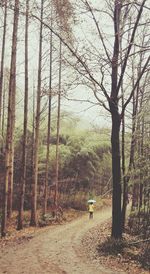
point(94, 58)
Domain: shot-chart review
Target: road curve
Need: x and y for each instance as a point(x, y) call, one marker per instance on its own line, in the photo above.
point(56, 250)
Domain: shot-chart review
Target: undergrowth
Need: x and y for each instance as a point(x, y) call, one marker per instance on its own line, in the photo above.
point(112, 246)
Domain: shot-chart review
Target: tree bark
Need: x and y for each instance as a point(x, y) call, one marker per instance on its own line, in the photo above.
point(2, 61)
point(116, 171)
point(125, 183)
point(10, 122)
point(3, 115)
point(49, 129)
point(33, 220)
point(24, 147)
point(115, 133)
point(58, 130)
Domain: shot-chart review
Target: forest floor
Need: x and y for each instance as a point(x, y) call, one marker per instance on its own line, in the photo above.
point(67, 248)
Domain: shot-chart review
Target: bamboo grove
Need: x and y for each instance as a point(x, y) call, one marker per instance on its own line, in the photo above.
point(45, 56)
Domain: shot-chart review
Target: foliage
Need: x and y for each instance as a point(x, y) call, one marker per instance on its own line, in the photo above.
point(84, 163)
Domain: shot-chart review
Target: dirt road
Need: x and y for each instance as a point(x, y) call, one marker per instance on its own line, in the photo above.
point(56, 250)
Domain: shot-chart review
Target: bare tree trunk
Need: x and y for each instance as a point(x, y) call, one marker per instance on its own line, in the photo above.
point(11, 172)
point(49, 129)
point(124, 179)
point(135, 129)
point(141, 124)
point(24, 146)
point(115, 141)
point(33, 130)
point(5, 107)
point(58, 129)
point(2, 60)
point(116, 170)
point(125, 183)
point(3, 113)
point(11, 117)
point(33, 221)
point(141, 175)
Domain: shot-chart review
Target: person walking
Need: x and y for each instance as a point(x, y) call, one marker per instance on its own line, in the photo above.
point(91, 210)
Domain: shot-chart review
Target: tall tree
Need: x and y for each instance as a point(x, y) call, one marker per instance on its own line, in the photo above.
point(11, 118)
point(58, 127)
point(49, 125)
point(24, 146)
point(33, 221)
point(2, 60)
point(116, 120)
point(123, 158)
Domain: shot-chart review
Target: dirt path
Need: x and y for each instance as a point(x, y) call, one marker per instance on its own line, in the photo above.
point(58, 250)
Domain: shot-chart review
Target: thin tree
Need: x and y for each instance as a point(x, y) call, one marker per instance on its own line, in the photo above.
point(123, 158)
point(33, 220)
point(58, 127)
point(24, 146)
point(11, 117)
point(48, 128)
point(3, 111)
point(2, 60)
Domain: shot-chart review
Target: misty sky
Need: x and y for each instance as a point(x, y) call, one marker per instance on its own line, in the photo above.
point(86, 38)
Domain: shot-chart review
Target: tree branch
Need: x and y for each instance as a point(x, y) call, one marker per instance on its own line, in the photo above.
point(99, 32)
point(130, 46)
point(136, 84)
point(141, 241)
point(84, 65)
